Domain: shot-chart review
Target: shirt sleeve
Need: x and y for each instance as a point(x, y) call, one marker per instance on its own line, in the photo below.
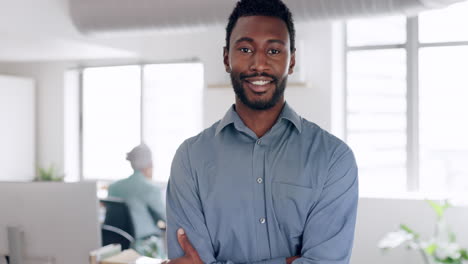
point(184, 209)
point(329, 231)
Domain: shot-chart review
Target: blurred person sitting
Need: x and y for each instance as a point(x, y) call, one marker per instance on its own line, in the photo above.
point(142, 197)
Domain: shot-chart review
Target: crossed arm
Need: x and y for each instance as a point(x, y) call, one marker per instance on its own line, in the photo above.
point(191, 255)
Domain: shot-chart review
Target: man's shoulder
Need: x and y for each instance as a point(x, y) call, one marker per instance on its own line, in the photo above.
point(334, 152)
point(117, 183)
point(115, 188)
point(201, 139)
point(329, 145)
point(315, 132)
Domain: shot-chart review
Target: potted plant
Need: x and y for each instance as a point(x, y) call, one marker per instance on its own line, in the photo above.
point(442, 247)
point(49, 174)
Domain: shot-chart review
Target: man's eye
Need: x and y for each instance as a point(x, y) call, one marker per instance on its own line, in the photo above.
point(245, 50)
point(273, 51)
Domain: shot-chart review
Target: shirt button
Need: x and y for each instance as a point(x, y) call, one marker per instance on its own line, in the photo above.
point(259, 142)
point(262, 220)
point(259, 180)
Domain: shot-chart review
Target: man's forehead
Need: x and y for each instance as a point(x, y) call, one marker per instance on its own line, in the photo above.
point(260, 26)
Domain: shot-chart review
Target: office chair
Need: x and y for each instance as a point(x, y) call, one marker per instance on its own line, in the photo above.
point(118, 225)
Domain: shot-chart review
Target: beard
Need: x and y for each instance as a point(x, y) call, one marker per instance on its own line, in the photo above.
point(280, 86)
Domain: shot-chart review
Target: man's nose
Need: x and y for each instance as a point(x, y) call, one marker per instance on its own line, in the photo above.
point(259, 62)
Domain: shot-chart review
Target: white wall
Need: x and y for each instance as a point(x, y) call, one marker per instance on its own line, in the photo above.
point(17, 136)
point(49, 79)
point(72, 146)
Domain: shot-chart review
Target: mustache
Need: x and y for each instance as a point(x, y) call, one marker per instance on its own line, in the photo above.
point(244, 76)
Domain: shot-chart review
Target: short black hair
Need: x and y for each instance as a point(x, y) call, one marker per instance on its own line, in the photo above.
point(271, 8)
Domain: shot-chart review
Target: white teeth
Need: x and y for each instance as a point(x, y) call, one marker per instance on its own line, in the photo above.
point(260, 82)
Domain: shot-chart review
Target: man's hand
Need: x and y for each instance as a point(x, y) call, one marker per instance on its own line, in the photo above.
point(191, 255)
point(291, 259)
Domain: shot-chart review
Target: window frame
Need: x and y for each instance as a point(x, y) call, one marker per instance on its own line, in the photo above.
point(141, 66)
point(81, 107)
point(412, 47)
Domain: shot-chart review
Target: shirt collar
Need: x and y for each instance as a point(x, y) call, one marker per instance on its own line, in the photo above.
point(231, 117)
point(228, 119)
point(289, 114)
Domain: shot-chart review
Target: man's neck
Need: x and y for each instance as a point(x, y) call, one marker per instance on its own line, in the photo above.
point(146, 174)
point(259, 121)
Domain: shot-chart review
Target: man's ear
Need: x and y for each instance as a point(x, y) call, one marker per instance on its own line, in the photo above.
point(227, 67)
point(292, 62)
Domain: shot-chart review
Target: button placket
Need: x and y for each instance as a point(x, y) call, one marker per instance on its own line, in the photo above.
point(260, 210)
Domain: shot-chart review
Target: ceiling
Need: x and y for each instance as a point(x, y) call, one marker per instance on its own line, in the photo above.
point(107, 16)
point(32, 30)
point(57, 30)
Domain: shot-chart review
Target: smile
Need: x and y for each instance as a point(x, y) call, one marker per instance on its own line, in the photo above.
point(260, 82)
point(259, 86)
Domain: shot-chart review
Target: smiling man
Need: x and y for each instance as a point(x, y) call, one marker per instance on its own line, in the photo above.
point(262, 185)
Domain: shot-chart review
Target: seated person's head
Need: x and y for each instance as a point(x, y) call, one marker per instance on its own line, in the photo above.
point(141, 159)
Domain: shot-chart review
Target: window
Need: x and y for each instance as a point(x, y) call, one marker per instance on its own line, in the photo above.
point(379, 31)
point(376, 121)
point(172, 110)
point(111, 120)
point(125, 105)
point(445, 25)
point(405, 101)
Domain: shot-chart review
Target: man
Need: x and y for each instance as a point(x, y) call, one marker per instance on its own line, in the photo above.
point(262, 185)
point(141, 195)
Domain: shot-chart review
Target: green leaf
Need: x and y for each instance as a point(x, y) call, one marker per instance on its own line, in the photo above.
point(448, 260)
point(406, 228)
point(430, 250)
point(452, 237)
point(49, 174)
point(409, 230)
point(464, 254)
point(51, 171)
point(438, 208)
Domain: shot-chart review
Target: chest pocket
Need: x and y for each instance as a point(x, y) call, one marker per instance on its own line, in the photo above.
point(292, 205)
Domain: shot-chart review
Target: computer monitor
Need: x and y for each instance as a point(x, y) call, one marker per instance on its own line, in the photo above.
point(59, 220)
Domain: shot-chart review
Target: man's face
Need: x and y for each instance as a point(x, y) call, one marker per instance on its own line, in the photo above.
point(259, 60)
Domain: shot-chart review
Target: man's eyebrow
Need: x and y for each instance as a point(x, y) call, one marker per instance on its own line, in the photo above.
point(244, 39)
point(276, 41)
point(247, 39)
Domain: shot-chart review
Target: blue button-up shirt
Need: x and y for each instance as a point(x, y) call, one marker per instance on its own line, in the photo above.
point(244, 199)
